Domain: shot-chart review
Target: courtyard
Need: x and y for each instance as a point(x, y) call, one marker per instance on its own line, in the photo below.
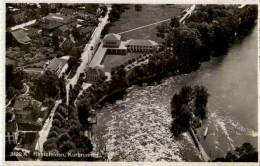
point(111, 61)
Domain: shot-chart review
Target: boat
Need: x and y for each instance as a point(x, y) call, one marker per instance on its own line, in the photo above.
point(206, 132)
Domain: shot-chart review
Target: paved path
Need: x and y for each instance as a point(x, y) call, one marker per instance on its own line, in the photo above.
point(27, 89)
point(188, 13)
point(201, 149)
point(23, 25)
point(144, 26)
point(46, 128)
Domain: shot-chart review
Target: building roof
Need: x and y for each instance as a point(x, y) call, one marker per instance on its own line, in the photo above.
point(141, 42)
point(51, 25)
point(87, 29)
point(67, 11)
point(56, 63)
point(60, 18)
point(11, 126)
point(25, 101)
point(21, 36)
point(112, 36)
point(95, 71)
point(64, 28)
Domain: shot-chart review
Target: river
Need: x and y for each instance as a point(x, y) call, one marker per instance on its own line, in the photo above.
point(137, 126)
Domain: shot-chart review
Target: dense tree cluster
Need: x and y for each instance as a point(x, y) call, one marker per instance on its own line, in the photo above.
point(114, 15)
point(45, 86)
point(188, 106)
point(14, 80)
point(74, 92)
point(66, 135)
point(91, 8)
point(116, 11)
point(207, 32)
point(245, 153)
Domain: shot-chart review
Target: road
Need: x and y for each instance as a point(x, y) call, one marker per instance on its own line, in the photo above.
point(87, 54)
point(27, 89)
point(188, 12)
point(46, 128)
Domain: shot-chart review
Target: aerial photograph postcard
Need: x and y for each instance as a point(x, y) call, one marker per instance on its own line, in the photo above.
point(131, 82)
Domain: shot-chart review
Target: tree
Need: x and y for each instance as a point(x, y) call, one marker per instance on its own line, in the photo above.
point(62, 87)
point(59, 117)
point(185, 94)
point(55, 40)
point(46, 85)
point(49, 144)
point(8, 116)
point(76, 34)
point(83, 111)
point(245, 153)
point(91, 8)
point(56, 123)
point(162, 29)
point(45, 9)
point(201, 100)
point(52, 134)
point(138, 7)
point(174, 22)
point(68, 145)
point(186, 43)
point(62, 138)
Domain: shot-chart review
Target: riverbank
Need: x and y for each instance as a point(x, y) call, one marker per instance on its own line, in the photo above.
point(143, 112)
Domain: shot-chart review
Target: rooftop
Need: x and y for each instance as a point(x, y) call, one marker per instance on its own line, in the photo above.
point(87, 29)
point(64, 28)
point(59, 18)
point(140, 42)
point(67, 11)
point(51, 25)
point(112, 36)
point(56, 63)
point(95, 71)
point(21, 36)
point(24, 101)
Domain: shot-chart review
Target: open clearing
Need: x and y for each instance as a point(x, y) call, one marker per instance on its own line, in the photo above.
point(131, 19)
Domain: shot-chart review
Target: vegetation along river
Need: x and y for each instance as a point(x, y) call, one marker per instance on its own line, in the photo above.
point(137, 127)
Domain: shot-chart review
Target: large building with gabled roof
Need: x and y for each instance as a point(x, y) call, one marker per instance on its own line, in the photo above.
point(94, 74)
point(21, 38)
point(57, 65)
point(54, 21)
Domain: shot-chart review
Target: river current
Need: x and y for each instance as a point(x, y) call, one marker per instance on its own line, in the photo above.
point(137, 127)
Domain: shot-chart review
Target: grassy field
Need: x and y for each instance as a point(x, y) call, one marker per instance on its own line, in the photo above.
point(116, 60)
point(150, 14)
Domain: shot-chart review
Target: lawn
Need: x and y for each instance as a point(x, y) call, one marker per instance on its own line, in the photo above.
point(111, 61)
point(150, 14)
